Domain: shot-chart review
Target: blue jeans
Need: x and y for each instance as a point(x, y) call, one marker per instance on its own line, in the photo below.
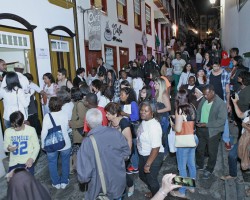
point(225, 135)
point(53, 167)
point(134, 157)
point(232, 160)
point(7, 124)
point(30, 170)
point(186, 158)
point(164, 126)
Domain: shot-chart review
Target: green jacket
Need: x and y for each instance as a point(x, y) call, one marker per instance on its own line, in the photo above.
point(217, 116)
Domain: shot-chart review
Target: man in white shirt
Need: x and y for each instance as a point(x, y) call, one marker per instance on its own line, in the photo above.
point(178, 65)
point(124, 76)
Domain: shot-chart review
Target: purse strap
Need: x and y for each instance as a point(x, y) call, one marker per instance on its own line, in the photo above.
point(99, 164)
point(52, 120)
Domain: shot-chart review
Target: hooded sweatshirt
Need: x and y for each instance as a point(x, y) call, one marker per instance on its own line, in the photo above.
point(224, 62)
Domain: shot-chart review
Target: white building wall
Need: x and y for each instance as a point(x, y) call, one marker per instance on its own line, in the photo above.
point(235, 26)
point(42, 14)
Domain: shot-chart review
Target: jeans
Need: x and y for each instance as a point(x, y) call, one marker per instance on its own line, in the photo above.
point(7, 124)
point(151, 178)
point(53, 166)
point(134, 157)
point(164, 126)
point(232, 160)
point(225, 135)
point(186, 158)
point(31, 169)
point(213, 145)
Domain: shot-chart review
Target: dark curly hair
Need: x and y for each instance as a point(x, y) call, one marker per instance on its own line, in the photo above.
point(131, 95)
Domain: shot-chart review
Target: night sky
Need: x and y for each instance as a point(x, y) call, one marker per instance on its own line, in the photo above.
point(204, 6)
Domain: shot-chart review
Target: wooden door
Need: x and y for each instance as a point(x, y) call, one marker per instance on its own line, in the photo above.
point(91, 58)
point(124, 57)
point(138, 49)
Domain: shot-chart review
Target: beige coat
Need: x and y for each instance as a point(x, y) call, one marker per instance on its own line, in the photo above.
point(77, 120)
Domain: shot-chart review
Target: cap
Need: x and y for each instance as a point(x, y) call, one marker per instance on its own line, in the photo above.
point(19, 65)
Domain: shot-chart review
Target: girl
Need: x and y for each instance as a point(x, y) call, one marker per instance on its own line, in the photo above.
point(186, 73)
point(206, 63)
point(201, 78)
point(145, 95)
point(114, 84)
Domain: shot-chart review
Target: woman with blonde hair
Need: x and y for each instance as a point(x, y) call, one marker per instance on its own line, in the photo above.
point(163, 106)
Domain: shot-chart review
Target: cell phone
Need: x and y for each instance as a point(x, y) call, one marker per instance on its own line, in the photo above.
point(184, 181)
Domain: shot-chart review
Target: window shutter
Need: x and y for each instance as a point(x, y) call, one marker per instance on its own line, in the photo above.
point(123, 2)
point(148, 14)
point(137, 7)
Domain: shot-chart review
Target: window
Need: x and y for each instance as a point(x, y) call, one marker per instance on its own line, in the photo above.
point(148, 19)
point(102, 4)
point(137, 14)
point(122, 11)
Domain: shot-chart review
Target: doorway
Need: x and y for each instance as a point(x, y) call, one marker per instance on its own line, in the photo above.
point(111, 56)
point(124, 57)
point(91, 57)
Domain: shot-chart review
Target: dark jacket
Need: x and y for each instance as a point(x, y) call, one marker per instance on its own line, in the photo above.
point(149, 66)
point(113, 149)
point(77, 80)
point(217, 116)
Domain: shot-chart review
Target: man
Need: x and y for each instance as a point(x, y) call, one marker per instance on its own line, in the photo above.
point(113, 149)
point(92, 102)
point(124, 76)
point(62, 80)
point(3, 70)
point(149, 66)
point(92, 76)
point(211, 117)
point(220, 79)
point(178, 65)
point(101, 67)
point(80, 72)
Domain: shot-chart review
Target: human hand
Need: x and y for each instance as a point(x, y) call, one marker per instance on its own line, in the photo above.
point(12, 148)
point(29, 163)
point(235, 99)
point(229, 109)
point(167, 185)
point(146, 168)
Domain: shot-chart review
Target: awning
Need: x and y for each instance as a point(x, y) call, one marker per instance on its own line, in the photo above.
point(161, 17)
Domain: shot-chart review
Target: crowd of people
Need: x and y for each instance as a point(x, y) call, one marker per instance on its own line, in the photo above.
point(128, 115)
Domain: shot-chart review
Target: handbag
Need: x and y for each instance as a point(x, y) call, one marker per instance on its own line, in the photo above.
point(103, 194)
point(171, 141)
point(185, 138)
point(54, 140)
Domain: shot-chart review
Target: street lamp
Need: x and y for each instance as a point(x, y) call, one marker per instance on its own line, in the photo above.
point(213, 3)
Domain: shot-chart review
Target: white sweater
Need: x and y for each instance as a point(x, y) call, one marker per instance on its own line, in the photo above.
point(184, 79)
point(14, 101)
point(61, 119)
point(198, 58)
point(178, 66)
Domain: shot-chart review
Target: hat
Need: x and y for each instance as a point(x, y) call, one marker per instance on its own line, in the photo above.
point(19, 65)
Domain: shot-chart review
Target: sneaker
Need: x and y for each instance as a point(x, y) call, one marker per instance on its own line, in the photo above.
point(206, 174)
point(64, 185)
point(132, 170)
point(57, 186)
point(228, 146)
point(131, 191)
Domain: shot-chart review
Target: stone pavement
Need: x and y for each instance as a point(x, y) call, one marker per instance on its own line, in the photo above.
point(212, 189)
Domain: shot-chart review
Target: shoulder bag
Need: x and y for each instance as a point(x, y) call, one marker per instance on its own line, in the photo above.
point(103, 194)
point(54, 140)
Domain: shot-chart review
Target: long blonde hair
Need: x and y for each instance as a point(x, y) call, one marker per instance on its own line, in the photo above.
point(162, 89)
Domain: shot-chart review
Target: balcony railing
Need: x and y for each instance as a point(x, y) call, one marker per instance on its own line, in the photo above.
point(63, 3)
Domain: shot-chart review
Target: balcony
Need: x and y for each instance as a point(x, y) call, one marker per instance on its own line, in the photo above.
point(162, 5)
point(67, 4)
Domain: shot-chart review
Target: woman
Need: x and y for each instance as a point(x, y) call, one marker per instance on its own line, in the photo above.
point(55, 106)
point(14, 98)
point(153, 75)
point(137, 82)
point(163, 106)
point(186, 73)
point(201, 79)
point(185, 155)
point(106, 97)
point(114, 84)
point(206, 63)
point(130, 111)
point(76, 123)
point(23, 185)
point(50, 89)
point(145, 95)
point(122, 124)
point(198, 59)
point(151, 151)
point(22, 143)
point(167, 70)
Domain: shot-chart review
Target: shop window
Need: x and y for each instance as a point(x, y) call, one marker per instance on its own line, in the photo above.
point(122, 11)
point(148, 19)
point(102, 4)
point(137, 14)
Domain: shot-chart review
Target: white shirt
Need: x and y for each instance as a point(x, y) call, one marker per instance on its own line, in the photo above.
point(91, 78)
point(67, 109)
point(178, 66)
point(149, 136)
point(103, 101)
point(14, 101)
point(129, 79)
point(34, 88)
point(245, 120)
point(137, 84)
point(184, 79)
point(60, 119)
point(198, 58)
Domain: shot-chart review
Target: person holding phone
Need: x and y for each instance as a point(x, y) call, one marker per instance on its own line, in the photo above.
point(185, 155)
point(22, 143)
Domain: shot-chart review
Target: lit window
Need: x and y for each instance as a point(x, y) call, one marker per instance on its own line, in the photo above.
point(137, 13)
point(148, 19)
point(102, 4)
point(122, 11)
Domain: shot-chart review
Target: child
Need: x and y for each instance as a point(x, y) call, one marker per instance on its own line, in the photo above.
point(22, 143)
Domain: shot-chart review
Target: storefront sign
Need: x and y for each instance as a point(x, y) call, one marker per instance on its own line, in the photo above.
point(113, 33)
point(94, 28)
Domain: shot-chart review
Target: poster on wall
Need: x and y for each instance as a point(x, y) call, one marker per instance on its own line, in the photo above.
point(94, 28)
point(109, 56)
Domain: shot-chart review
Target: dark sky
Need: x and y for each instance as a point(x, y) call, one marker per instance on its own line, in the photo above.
point(204, 6)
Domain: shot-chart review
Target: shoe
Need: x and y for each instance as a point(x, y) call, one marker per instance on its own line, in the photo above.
point(228, 177)
point(199, 168)
point(206, 174)
point(64, 185)
point(228, 146)
point(178, 194)
point(57, 186)
point(132, 170)
point(131, 191)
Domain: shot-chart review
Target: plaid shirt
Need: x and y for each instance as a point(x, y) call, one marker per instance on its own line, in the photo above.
point(225, 80)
